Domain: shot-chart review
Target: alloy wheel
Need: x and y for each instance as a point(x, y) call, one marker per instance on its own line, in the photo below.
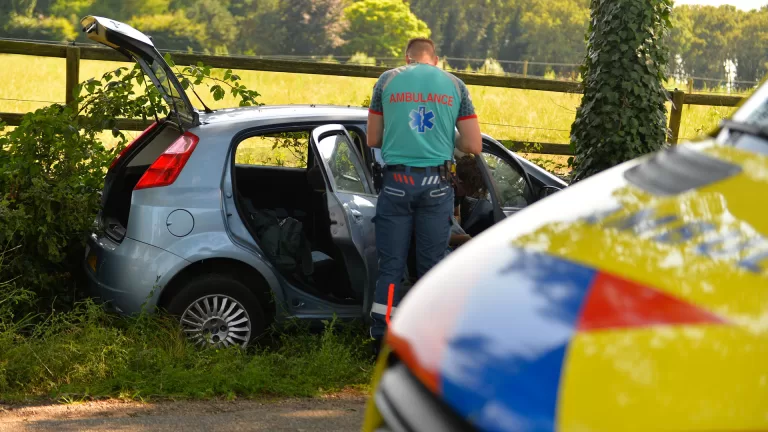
point(217, 320)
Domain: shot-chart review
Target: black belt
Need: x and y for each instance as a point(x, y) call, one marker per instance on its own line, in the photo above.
point(403, 168)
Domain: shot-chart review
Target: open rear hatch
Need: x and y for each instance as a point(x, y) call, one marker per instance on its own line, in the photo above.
point(129, 167)
point(138, 47)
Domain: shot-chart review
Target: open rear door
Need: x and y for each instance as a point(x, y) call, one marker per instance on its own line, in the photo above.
point(139, 47)
point(351, 206)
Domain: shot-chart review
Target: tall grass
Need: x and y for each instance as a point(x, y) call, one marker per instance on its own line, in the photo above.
point(523, 115)
point(88, 353)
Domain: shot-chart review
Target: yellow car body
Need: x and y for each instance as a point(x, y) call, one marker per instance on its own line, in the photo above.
point(635, 300)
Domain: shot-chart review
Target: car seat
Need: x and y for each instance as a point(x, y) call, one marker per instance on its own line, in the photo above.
point(330, 274)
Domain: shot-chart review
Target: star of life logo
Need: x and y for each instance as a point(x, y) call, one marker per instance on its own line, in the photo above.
point(421, 119)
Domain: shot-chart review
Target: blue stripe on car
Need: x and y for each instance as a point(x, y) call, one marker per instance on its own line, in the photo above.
point(498, 372)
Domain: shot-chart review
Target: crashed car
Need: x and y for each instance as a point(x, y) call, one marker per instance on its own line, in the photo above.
point(191, 224)
point(634, 300)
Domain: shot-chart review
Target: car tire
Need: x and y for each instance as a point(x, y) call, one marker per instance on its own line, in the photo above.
point(215, 308)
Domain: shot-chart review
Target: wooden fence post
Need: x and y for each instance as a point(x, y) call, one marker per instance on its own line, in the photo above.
point(690, 85)
point(678, 98)
point(525, 68)
point(73, 73)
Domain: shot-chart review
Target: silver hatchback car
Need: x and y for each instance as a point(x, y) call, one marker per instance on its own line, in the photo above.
point(178, 226)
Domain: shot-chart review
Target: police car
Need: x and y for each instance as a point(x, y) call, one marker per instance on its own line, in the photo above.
point(635, 300)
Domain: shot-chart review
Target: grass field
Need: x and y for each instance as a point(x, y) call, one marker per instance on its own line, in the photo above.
point(523, 115)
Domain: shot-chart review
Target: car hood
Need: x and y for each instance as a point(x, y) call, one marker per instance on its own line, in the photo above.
point(636, 299)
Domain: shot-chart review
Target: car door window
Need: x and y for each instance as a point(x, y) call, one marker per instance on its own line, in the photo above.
point(512, 189)
point(347, 174)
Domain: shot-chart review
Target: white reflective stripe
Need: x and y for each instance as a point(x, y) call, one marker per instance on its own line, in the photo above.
point(381, 309)
point(432, 179)
point(439, 192)
point(423, 182)
point(393, 191)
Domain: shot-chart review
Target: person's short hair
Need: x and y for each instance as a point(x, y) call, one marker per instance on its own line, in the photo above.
point(419, 46)
point(470, 175)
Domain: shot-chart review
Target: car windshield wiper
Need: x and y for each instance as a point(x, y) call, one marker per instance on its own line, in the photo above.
point(749, 129)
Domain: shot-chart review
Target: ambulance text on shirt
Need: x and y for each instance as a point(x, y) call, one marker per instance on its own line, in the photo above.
point(421, 105)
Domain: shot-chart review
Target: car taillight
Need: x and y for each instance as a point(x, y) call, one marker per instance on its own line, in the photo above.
point(168, 166)
point(149, 129)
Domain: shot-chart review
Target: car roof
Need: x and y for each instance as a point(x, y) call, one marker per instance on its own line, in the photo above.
point(290, 112)
point(285, 112)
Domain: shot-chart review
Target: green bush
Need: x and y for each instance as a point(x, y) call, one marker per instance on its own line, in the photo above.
point(381, 28)
point(52, 169)
point(45, 28)
point(622, 114)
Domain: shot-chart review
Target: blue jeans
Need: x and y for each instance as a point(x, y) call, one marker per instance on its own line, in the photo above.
point(408, 200)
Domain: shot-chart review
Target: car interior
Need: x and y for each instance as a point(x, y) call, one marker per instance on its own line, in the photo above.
point(277, 172)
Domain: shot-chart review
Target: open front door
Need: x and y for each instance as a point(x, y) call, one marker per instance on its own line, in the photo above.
point(512, 189)
point(351, 206)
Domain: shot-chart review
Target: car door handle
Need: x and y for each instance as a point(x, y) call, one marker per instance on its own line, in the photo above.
point(356, 215)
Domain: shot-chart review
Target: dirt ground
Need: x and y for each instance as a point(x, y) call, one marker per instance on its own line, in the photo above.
point(330, 413)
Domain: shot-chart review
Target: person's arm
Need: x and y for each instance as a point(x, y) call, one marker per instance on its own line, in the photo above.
point(459, 239)
point(376, 118)
point(469, 139)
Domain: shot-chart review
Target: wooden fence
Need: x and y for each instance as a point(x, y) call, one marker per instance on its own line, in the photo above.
point(75, 53)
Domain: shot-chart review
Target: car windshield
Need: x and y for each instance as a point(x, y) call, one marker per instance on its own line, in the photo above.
point(754, 112)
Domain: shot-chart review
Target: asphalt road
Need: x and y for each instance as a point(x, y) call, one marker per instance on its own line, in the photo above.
point(331, 413)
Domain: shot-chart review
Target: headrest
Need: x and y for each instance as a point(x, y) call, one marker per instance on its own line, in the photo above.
point(315, 179)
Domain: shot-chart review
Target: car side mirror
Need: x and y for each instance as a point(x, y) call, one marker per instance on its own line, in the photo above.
point(546, 191)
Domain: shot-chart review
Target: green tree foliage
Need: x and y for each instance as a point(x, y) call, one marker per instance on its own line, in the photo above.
point(172, 30)
point(566, 45)
point(750, 41)
point(711, 44)
point(381, 27)
point(120, 9)
point(221, 29)
point(702, 37)
point(622, 114)
point(294, 27)
point(45, 28)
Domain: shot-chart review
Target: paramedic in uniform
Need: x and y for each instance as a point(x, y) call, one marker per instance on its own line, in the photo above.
point(413, 116)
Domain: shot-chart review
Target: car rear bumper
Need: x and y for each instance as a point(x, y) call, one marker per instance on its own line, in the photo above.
point(126, 275)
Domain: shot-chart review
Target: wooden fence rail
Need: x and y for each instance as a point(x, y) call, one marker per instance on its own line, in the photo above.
point(75, 53)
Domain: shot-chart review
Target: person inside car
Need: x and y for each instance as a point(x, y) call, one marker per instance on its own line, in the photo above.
point(474, 208)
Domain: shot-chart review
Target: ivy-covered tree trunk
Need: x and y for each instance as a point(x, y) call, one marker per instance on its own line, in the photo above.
point(622, 114)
